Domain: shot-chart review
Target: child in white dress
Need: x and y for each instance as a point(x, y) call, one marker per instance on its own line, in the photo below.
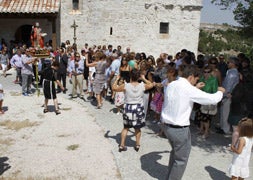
point(119, 97)
point(239, 168)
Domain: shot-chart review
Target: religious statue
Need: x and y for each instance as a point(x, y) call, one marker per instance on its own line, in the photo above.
point(37, 37)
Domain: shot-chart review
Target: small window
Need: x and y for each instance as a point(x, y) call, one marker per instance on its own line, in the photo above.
point(164, 28)
point(110, 30)
point(75, 4)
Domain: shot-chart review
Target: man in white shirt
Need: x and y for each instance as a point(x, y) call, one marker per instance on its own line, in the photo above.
point(27, 72)
point(178, 103)
point(16, 62)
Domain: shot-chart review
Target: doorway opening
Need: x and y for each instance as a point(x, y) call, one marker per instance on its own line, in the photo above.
point(23, 34)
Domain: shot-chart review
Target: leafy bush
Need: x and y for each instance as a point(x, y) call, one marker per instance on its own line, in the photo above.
point(224, 40)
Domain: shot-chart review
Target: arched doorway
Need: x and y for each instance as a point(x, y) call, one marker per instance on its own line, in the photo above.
point(23, 34)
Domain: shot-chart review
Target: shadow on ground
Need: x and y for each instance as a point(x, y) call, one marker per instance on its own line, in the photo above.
point(4, 166)
point(129, 141)
point(150, 164)
point(214, 143)
point(216, 174)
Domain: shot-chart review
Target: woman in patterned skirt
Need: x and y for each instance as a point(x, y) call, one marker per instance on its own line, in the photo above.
point(133, 112)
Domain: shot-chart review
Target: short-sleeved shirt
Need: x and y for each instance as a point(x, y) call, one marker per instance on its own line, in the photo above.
point(115, 66)
point(26, 68)
point(134, 94)
point(16, 60)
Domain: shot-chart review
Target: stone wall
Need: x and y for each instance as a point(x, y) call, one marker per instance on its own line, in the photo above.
point(134, 23)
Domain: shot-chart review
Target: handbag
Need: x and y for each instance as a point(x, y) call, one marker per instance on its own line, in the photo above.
point(208, 109)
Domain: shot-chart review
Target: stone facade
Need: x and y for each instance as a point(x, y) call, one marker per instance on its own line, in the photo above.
point(133, 23)
point(130, 23)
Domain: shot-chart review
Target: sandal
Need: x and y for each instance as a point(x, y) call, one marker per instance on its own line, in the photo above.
point(136, 148)
point(122, 148)
point(45, 110)
point(57, 112)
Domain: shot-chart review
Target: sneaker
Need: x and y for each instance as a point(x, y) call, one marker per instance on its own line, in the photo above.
point(30, 93)
point(25, 94)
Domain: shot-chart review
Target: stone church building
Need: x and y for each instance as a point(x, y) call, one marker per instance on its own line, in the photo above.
point(151, 26)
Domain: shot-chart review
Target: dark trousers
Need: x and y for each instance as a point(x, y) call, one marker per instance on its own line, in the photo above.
point(180, 140)
point(18, 75)
point(62, 77)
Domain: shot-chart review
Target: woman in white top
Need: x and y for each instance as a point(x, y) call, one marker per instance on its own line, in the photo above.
point(133, 111)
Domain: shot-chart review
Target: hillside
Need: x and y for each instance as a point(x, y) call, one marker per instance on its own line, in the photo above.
point(223, 39)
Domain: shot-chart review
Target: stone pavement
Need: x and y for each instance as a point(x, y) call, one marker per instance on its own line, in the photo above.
point(208, 158)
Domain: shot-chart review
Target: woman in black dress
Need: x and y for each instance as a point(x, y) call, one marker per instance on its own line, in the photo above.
point(125, 69)
point(50, 76)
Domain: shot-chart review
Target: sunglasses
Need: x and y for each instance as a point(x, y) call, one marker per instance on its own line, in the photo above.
point(207, 71)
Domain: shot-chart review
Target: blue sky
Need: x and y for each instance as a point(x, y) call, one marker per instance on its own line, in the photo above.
point(212, 14)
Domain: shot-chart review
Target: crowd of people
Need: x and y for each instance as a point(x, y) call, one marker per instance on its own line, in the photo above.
point(176, 88)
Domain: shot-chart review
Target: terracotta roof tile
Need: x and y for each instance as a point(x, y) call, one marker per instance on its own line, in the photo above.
point(29, 6)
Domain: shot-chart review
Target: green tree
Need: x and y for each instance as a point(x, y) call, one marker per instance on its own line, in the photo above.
point(243, 12)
